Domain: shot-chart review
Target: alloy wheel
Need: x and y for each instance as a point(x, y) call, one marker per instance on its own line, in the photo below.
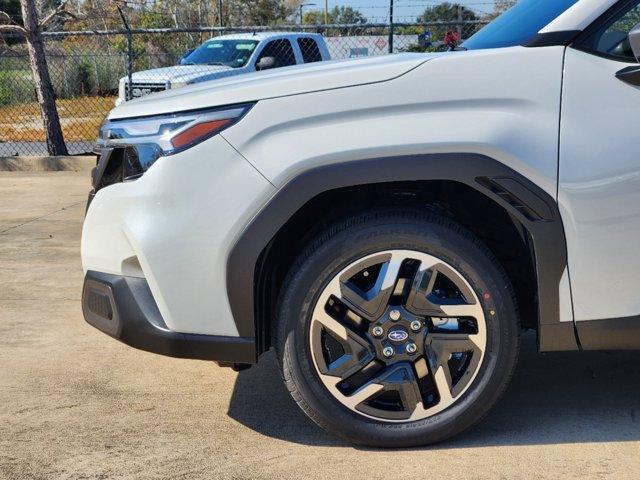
point(398, 336)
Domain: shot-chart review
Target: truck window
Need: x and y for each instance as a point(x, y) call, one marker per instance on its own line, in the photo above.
point(232, 53)
point(310, 51)
point(281, 51)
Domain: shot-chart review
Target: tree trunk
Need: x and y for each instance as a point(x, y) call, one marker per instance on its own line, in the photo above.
point(44, 87)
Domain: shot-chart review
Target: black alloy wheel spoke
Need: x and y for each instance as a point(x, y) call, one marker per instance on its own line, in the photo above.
point(358, 351)
point(400, 379)
point(371, 302)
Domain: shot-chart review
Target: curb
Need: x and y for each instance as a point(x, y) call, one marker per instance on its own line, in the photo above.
point(47, 164)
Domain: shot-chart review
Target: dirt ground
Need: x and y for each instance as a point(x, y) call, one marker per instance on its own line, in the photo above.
point(75, 404)
point(80, 119)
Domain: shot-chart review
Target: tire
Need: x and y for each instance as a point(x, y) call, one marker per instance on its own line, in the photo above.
point(415, 410)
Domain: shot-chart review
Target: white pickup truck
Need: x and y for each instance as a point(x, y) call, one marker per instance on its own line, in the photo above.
point(226, 56)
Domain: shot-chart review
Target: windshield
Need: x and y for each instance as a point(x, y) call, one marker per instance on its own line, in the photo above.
point(519, 24)
point(232, 53)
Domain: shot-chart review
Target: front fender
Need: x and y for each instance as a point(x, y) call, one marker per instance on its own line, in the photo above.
point(526, 202)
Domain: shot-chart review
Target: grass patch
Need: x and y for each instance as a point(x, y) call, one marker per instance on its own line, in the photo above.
point(16, 86)
point(80, 118)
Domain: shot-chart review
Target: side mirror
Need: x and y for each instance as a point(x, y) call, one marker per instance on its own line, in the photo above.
point(185, 55)
point(634, 40)
point(631, 75)
point(266, 63)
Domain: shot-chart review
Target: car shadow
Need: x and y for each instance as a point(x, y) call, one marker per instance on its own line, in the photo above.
point(569, 397)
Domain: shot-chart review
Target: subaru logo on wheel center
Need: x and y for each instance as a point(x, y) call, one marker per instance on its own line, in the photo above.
point(398, 335)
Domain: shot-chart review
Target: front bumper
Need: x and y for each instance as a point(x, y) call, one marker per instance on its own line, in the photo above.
point(174, 227)
point(124, 308)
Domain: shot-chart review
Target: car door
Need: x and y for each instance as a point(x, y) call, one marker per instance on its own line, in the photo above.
point(599, 181)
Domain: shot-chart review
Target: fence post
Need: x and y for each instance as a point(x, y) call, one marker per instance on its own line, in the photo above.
point(459, 26)
point(129, 89)
point(390, 26)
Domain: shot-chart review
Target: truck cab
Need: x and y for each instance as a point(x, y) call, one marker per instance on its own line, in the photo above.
point(227, 56)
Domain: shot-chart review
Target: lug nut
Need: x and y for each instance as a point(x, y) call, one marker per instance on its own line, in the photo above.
point(388, 352)
point(416, 325)
point(394, 315)
point(411, 348)
point(377, 331)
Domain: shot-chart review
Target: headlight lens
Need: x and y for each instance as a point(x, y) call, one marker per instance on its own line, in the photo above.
point(178, 84)
point(145, 139)
point(171, 133)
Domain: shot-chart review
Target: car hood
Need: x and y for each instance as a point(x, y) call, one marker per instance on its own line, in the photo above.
point(274, 83)
point(179, 73)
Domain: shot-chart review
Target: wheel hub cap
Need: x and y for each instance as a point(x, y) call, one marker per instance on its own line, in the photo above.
point(397, 335)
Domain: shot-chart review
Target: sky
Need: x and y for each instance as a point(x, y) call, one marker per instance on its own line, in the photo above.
point(404, 10)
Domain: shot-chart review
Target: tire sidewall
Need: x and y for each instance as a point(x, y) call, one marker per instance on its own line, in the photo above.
point(434, 236)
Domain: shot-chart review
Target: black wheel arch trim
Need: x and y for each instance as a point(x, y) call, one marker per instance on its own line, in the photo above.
point(610, 334)
point(536, 210)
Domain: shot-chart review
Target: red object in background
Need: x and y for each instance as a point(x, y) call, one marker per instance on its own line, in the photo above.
point(452, 38)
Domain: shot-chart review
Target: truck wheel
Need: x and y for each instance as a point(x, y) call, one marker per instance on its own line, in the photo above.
point(397, 329)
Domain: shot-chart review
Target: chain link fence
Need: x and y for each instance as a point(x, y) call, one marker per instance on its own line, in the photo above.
point(92, 71)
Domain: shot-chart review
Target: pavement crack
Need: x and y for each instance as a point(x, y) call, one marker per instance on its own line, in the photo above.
point(2, 232)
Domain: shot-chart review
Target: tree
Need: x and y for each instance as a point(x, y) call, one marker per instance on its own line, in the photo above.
point(337, 15)
point(12, 9)
point(257, 12)
point(502, 6)
point(30, 27)
point(499, 7)
point(448, 12)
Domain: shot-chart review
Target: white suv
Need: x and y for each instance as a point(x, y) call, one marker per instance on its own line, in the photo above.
point(388, 225)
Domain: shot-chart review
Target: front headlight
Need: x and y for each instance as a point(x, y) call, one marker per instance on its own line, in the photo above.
point(174, 85)
point(171, 133)
point(145, 139)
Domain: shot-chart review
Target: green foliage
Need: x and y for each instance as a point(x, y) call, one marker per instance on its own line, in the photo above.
point(154, 19)
point(139, 48)
point(337, 15)
point(448, 12)
point(627, 22)
point(86, 75)
point(499, 7)
point(256, 12)
point(82, 77)
point(417, 48)
point(16, 86)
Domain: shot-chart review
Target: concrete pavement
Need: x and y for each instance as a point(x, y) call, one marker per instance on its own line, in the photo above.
point(76, 404)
